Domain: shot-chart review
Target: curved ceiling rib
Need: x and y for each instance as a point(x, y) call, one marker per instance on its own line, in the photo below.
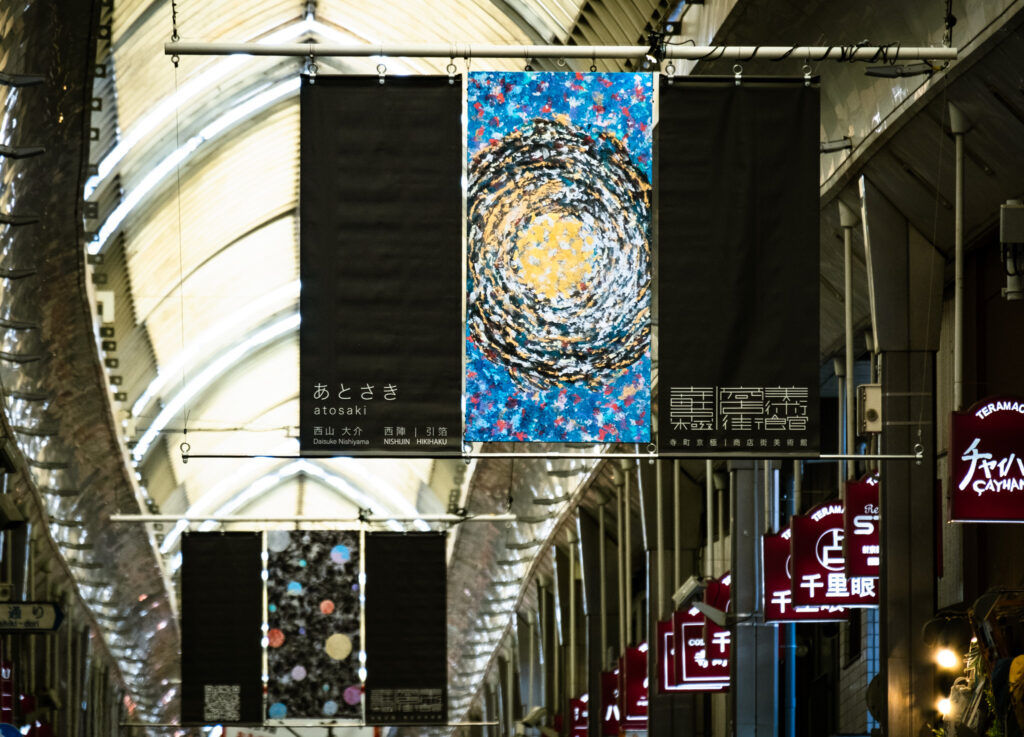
point(246, 109)
point(212, 342)
point(213, 371)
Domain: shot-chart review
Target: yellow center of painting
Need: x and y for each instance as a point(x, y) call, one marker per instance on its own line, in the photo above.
point(554, 256)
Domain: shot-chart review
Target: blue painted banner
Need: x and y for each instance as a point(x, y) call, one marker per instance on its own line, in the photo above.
point(559, 272)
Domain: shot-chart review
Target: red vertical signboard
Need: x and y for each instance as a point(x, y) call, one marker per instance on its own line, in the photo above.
point(633, 688)
point(778, 586)
point(692, 664)
point(611, 715)
point(986, 448)
point(718, 639)
point(863, 545)
point(579, 711)
point(819, 565)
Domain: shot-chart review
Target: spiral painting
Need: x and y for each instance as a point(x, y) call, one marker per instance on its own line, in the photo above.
point(559, 274)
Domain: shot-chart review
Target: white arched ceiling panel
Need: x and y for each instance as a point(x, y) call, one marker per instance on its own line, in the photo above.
point(224, 195)
point(300, 495)
point(145, 74)
point(260, 263)
point(241, 413)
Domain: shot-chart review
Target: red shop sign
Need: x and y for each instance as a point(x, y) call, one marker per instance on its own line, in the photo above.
point(986, 446)
point(693, 663)
point(863, 545)
point(633, 691)
point(819, 566)
point(580, 714)
point(778, 586)
point(667, 681)
point(610, 713)
point(718, 639)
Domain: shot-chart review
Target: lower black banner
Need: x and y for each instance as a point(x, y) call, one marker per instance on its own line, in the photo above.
point(221, 628)
point(406, 629)
point(738, 268)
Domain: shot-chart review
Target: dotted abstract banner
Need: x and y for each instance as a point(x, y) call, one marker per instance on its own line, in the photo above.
point(313, 616)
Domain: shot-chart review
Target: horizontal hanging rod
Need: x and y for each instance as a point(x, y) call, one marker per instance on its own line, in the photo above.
point(891, 53)
point(324, 723)
point(554, 455)
point(305, 518)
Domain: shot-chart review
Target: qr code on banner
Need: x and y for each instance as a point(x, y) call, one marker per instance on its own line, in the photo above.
point(222, 703)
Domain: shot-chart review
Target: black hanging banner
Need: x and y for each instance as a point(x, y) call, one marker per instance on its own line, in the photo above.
point(738, 268)
point(381, 270)
point(221, 628)
point(406, 629)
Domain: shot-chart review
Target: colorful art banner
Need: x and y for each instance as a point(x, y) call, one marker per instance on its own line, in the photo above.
point(738, 268)
point(778, 586)
point(559, 257)
point(313, 613)
point(861, 519)
point(819, 563)
point(986, 449)
point(380, 212)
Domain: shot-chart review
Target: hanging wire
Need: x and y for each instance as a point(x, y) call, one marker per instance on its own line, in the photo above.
point(181, 257)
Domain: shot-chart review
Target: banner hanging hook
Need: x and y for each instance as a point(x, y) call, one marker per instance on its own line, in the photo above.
point(451, 69)
point(311, 65)
point(737, 70)
point(381, 71)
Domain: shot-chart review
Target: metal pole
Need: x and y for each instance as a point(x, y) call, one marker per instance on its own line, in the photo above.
point(571, 666)
point(653, 454)
point(621, 550)
point(847, 219)
point(839, 368)
point(959, 125)
point(660, 538)
point(794, 508)
point(628, 509)
point(798, 486)
point(459, 519)
point(723, 525)
point(545, 642)
point(509, 707)
point(891, 53)
point(677, 534)
point(709, 521)
point(532, 642)
point(602, 574)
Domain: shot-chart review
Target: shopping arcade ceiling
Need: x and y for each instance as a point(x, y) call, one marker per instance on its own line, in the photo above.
point(204, 271)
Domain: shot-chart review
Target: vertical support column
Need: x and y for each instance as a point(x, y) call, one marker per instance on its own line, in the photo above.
point(848, 219)
point(570, 670)
point(907, 500)
point(905, 280)
point(959, 125)
point(754, 670)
